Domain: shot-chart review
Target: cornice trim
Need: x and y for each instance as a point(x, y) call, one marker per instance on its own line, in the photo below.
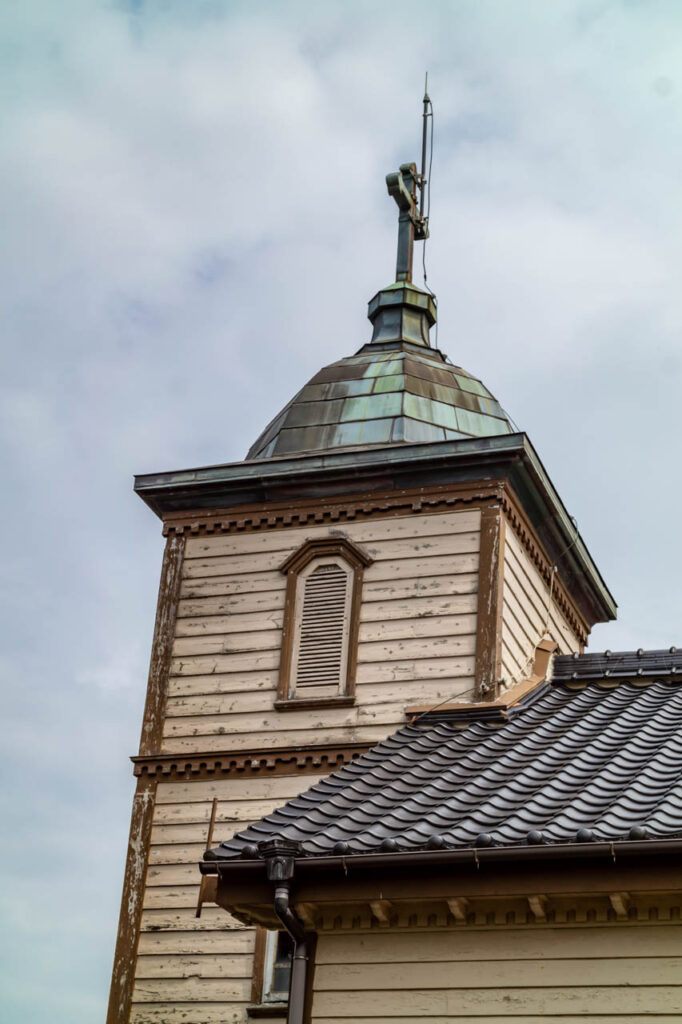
point(306, 513)
point(280, 761)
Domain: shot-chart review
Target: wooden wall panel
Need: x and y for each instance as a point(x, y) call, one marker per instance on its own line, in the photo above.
point(619, 972)
point(525, 613)
point(193, 969)
point(417, 635)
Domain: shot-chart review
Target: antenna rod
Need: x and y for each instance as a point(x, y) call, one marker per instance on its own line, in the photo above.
point(425, 115)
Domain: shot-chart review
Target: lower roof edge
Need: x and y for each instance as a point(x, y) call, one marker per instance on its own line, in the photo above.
point(343, 865)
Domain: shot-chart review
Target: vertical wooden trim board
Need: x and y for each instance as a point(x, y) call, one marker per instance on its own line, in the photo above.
point(258, 975)
point(123, 974)
point(354, 631)
point(164, 628)
point(489, 613)
point(287, 647)
point(310, 978)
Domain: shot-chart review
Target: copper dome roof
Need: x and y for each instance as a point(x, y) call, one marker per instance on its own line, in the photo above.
point(395, 390)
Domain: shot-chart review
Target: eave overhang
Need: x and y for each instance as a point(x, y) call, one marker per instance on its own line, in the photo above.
point(509, 459)
point(564, 870)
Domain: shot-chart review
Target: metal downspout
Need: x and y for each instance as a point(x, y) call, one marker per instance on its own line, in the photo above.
point(299, 963)
point(279, 855)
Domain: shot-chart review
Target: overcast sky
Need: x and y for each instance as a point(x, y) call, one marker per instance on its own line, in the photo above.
point(194, 217)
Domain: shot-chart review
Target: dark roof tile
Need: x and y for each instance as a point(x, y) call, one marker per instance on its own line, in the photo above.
point(588, 756)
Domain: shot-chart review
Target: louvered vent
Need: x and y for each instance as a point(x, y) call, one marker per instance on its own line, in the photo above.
point(322, 637)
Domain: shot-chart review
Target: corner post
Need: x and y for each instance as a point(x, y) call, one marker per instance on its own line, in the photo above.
point(490, 593)
point(127, 939)
point(162, 644)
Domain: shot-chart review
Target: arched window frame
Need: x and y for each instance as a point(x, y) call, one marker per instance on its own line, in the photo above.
point(334, 549)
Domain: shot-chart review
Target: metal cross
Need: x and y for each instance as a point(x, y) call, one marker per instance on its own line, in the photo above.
point(402, 185)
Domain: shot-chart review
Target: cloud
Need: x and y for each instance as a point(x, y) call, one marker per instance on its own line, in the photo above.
point(194, 218)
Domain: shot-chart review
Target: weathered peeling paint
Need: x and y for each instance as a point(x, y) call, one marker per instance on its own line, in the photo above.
point(131, 902)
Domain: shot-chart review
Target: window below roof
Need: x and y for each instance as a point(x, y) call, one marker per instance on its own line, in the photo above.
point(271, 974)
point(279, 950)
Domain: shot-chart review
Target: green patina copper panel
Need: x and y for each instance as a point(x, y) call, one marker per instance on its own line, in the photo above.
point(431, 412)
point(416, 431)
point(372, 407)
point(481, 426)
point(384, 367)
point(348, 388)
point(391, 392)
point(469, 384)
point(341, 371)
point(304, 414)
point(363, 432)
point(392, 382)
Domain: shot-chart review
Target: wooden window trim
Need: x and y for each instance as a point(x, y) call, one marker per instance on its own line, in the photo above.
point(358, 560)
point(310, 703)
point(258, 1008)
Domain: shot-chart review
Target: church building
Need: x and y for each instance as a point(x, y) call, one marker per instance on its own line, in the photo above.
point(379, 777)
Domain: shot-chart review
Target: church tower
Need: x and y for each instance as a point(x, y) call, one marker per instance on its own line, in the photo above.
point(390, 544)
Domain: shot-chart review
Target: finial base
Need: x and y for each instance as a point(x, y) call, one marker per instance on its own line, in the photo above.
point(402, 312)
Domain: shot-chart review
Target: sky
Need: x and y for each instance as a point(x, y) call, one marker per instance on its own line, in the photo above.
point(194, 218)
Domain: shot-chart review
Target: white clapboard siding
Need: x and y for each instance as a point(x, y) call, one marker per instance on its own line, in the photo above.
point(179, 853)
point(178, 966)
point(416, 643)
point(521, 1002)
point(207, 725)
point(229, 623)
point(257, 604)
point(364, 533)
point(230, 943)
point(504, 973)
point(228, 586)
point(228, 643)
point(426, 627)
point(206, 965)
point(235, 682)
point(194, 989)
point(369, 734)
point(261, 700)
point(267, 601)
point(188, 968)
point(242, 795)
point(527, 612)
point(535, 944)
point(425, 586)
point(183, 919)
point(257, 579)
point(507, 974)
point(477, 1018)
point(386, 551)
point(226, 810)
point(192, 1013)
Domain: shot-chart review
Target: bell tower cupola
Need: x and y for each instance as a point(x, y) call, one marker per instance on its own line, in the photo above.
point(391, 546)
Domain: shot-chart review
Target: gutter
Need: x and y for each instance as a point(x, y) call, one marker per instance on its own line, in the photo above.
point(473, 855)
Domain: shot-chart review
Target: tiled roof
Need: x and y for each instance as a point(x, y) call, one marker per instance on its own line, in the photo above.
point(397, 393)
point(578, 762)
point(618, 665)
